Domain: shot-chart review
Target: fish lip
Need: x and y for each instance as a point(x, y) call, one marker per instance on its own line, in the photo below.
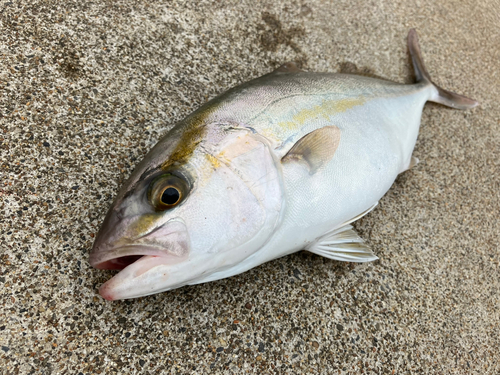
point(121, 285)
point(104, 251)
point(135, 280)
point(102, 260)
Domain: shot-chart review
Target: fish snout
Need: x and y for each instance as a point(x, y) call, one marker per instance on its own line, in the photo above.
point(105, 237)
point(116, 247)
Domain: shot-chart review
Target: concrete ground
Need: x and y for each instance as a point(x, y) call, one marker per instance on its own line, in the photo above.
point(86, 88)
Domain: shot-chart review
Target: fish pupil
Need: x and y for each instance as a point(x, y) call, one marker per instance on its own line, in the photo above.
point(170, 196)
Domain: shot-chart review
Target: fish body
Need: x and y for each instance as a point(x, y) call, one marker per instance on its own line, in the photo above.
point(279, 164)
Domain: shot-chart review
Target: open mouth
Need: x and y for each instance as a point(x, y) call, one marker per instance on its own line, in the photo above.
point(132, 262)
point(131, 268)
point(122, 257)
point(118, 263)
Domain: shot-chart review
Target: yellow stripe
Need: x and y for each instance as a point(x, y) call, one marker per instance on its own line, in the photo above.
point(325, 110)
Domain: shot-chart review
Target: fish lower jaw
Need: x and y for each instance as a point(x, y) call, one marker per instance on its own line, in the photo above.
point(134, 280)
point(133, 262)
point(155, 274)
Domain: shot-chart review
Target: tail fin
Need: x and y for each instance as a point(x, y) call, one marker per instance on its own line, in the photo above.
point(443, 96)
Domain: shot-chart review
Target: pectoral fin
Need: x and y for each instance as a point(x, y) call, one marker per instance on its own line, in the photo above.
point(315, 149)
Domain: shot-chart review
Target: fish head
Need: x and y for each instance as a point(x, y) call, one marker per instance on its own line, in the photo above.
point(190, 210)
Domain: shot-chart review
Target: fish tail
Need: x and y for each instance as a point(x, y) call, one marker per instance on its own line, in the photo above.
point(442, 96)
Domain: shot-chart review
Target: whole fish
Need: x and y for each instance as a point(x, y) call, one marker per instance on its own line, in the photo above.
point(279, 164)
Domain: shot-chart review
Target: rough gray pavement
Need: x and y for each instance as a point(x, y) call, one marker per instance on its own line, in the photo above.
point(86, 88)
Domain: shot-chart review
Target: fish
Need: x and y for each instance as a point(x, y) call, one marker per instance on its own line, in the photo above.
point(282, 163)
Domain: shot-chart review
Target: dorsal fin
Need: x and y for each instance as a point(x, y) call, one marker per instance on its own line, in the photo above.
point(315, 148)
point(288, 67)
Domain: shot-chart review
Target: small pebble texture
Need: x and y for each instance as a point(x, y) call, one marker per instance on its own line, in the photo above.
point(86, 89)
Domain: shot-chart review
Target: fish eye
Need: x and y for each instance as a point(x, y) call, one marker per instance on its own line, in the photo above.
point(167, 191)
point(170, 195)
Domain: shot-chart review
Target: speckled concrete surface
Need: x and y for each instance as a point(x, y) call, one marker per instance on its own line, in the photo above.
point(87, 88)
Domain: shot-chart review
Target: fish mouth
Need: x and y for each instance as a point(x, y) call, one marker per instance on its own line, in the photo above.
point(169, 240)
point(122, 257)
point(132, 262)
point(143, 262)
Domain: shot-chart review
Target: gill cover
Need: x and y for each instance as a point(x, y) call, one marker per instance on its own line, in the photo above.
point(244, 164)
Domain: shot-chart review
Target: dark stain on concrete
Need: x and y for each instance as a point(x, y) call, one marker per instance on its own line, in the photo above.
point(274, 34)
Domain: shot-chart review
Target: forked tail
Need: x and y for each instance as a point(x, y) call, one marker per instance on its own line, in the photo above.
point(442, 96)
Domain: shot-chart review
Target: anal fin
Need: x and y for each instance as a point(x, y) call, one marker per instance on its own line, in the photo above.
point(343, 243)
point(413, 161)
